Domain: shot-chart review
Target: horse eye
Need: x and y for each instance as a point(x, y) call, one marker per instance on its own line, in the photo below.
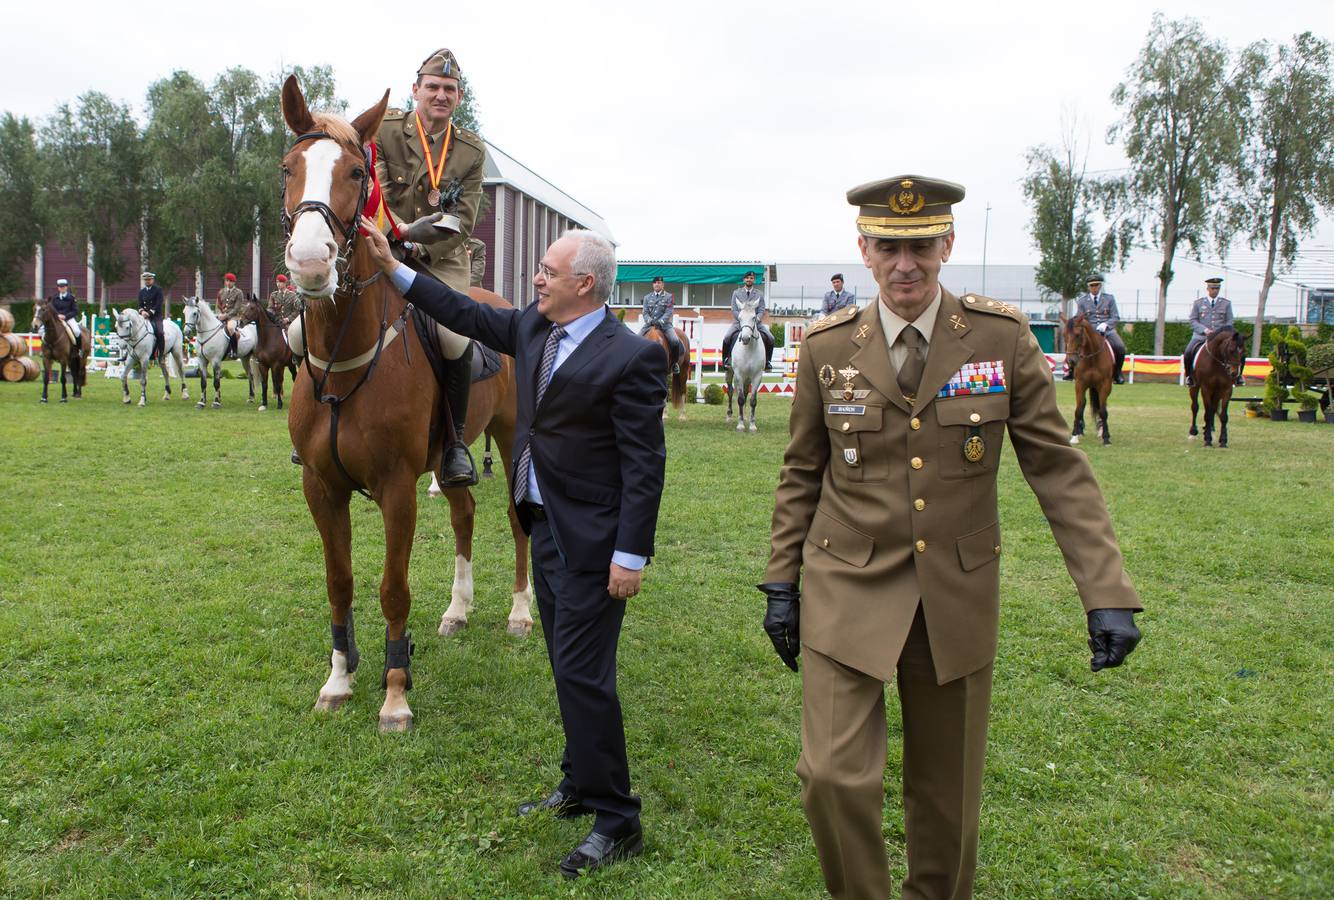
point(358, 173)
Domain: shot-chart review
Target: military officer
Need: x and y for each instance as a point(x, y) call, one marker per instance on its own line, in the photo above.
point(1207, 315)
point(152, 305)
point(230, 301)
point(837, 298)
point(887, 504)
point(748, 293)
point(659, 307)
point(284, 302)
point(423, 159)
point(1099, 307)
point(476, 248)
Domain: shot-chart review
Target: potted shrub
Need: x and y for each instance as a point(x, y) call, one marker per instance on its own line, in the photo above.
point(1276, 391)
point(1253, 409)
point(1320, 360)
point(1300, 373)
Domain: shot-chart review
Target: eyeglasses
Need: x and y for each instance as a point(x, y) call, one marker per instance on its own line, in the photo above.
point(546, 272)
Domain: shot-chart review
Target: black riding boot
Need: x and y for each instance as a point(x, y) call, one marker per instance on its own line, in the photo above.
point(768, 355)
point(728, 341)
point(1186, 361)
point(1120, 363)
point(456, 468)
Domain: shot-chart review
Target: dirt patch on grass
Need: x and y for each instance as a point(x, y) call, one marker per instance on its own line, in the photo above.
point(72, 838)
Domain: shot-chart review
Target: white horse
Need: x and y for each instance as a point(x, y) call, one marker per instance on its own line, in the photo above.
point(137, 335)
point(203, 323)
point(747, 367)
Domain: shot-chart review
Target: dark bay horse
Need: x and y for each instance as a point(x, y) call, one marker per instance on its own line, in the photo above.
point(1093, 366)
point(57, 347)
point(366, 410)
point(271, 354)
point(1218, 363)
point(676, 382)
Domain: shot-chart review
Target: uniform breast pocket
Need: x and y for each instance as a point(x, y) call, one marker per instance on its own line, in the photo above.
point(857, 451)
point(972, 430)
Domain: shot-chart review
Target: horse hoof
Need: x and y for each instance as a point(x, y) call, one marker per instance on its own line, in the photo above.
point(450, 626)
point(217, 404)
point(519, 629)
point(43, 400)
point(331, 702)
point(396, 723)
point(262, 407)
point(1190, 437)
point(200, 405)
point(142, 402)
point(126, 400)
point(753, 429)
point(62, 400)
point(1074, 439)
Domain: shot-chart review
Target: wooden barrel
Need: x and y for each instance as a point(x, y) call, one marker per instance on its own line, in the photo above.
point(12, 345)
point(6, 320)
point(20, 368)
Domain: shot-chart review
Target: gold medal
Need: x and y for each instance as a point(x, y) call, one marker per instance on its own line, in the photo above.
point(974, 449)
point(433, 198)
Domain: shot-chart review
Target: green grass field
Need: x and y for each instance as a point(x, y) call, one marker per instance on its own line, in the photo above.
point(164, 633)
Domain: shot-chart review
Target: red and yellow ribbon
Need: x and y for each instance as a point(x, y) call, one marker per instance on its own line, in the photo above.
point(435, 171)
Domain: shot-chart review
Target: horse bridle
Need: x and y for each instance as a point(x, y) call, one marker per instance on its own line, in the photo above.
point(1232, 371)
point(336, 225)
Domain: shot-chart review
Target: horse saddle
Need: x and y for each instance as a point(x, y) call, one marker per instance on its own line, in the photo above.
point(485, 361)
point(69, 333)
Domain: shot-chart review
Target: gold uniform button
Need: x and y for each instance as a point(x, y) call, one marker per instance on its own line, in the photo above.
point(975, 418)
point(846, 425)
point(916, 462)
point(919, 504)
point(921, 546)
point(996, 550)
point(825, 543)
point(419, 188)
point(915, 424)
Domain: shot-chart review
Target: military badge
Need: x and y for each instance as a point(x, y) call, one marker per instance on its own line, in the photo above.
point(863, 330)
point(850, 372)
point(827, 375)
point(974, 448)
point(857, 394)
point(956, 322)
point(906, 201)
point(850, 456)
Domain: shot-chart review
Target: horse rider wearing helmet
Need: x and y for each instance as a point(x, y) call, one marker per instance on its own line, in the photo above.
point(748, 294)
point(230, 301)
point(66, 306)
point(658, 309)
point(152, 305)
point(430, 173)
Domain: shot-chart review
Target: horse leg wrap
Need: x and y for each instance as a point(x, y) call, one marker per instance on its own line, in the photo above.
point(397, 655)
point(345, 639)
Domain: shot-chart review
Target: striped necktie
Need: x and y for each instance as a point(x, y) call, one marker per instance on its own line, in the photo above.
point(554, 338)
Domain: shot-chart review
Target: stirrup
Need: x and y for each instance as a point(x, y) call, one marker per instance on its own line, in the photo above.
point(469, 480)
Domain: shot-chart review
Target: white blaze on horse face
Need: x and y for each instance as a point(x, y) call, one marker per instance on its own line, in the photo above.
point(312, 251)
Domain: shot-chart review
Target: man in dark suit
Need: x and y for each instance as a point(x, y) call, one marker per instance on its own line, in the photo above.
point(587, 481)
point(151, 306)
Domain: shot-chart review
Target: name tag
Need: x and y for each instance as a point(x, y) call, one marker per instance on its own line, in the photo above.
point(847, 409)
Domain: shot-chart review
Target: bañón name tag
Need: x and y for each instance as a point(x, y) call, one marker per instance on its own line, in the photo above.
point(847, 409)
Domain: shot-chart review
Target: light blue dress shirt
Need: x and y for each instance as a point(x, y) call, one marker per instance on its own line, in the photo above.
point(575, 333)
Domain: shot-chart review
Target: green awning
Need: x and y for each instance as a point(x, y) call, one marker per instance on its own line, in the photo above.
point(689, 274)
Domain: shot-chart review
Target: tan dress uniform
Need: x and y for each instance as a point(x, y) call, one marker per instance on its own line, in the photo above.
point(476, 248)
point(401, 166)
point(889, 508)
point(285, 304)
point(230, 301)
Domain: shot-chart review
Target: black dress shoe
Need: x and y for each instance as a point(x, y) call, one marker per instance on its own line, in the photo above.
point(598, 850)
point(563, 806)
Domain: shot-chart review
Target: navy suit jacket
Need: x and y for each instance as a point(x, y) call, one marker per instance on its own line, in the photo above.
point(597, 439)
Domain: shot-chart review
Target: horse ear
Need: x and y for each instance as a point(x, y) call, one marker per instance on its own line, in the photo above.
point(295, 110)
point(368, 123)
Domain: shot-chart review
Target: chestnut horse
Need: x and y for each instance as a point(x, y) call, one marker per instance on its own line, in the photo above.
point(1218, 363)
point(58, 348)
point(676, 382)
point(271, 354)
point(1094, 363)
point(366, 410)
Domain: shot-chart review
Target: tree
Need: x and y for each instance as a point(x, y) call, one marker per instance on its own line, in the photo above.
point(20, 202)
point(1064, 200)
point(1286, 169)
point(93, 166)
point(1182, 101)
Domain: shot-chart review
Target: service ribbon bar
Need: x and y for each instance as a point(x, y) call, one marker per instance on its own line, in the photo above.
point(976, 378)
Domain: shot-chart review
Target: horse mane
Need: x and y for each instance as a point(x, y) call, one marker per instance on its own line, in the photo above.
point(339, 129)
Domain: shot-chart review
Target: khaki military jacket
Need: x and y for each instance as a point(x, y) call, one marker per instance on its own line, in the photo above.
point(286, 304)
point(878, 505)
point(230, 301)
point(401, 167)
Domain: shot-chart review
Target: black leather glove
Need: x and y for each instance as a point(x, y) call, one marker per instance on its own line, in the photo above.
point(423, 231)
point(1112, 635)
point(782, 620)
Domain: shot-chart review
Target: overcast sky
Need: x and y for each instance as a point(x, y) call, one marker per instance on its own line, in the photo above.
point(697, 130)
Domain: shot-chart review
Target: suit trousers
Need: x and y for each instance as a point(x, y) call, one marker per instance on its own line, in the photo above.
point(843, 735)
point(581, 623)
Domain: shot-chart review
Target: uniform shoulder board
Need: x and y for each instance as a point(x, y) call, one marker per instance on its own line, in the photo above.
point(834, 319)
point(469, 137)
point(978, 303)
point(393, 112)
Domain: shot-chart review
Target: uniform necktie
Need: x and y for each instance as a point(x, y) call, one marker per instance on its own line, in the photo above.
point(910, 373)
point(554, 338)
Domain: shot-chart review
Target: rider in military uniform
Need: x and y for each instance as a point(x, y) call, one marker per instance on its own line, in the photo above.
point(230, 301)
point(476, 248)
point(658, 309)
point(886, 507)
point(837, 298)
point(152, 305)
point(748, 293)
point(284, 302)
point(1207, 315)
point(429, 167)
point(1099, 308)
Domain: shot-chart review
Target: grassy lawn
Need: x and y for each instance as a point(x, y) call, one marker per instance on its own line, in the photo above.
point(164, 633)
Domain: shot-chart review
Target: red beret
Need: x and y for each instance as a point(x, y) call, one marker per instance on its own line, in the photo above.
point(229, 276)
point(282, 279)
